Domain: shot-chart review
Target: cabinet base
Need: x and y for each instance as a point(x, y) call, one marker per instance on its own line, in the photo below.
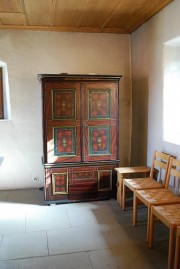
point(76, 201)
point(80, 183)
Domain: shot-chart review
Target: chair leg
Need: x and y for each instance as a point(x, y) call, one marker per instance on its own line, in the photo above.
point(171, 239)
point(148, 223)
point(123, 196)
point(134, 209)
point(120, 189)
point(177, 251)
point(151, 230)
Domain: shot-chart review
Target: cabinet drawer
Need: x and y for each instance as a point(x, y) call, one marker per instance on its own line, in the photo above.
point(82, 175)
point(83, 190)
point(83, 172)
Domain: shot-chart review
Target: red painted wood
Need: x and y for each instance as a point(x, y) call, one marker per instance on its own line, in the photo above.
point(80, 127)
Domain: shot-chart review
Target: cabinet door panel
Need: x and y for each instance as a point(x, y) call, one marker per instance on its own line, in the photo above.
point(64, 106)
point(104, 180)
point(100, 121)
point(99, 140)
point(99, 103)
point(62, 122)
point(59, 183)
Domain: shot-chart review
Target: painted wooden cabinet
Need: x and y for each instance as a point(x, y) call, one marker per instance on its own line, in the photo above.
point(80, 135)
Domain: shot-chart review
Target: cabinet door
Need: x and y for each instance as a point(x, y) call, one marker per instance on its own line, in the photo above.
point(100, 121)
point(62, 122)
point(56, 184)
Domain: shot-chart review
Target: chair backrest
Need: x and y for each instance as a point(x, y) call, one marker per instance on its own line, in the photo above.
point(160, 163)
point(173, 171)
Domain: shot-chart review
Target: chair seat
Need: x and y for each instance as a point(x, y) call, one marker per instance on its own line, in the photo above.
point(142, 183)
point(157, 197)
point(168, 214)
point(139, 184)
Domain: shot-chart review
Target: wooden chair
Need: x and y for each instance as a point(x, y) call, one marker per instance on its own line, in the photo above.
point(160, 162)
point(170, 216)
point(155, 197)
point(177, 249)
point(130, 171)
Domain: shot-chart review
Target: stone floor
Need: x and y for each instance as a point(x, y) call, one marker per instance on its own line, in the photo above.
point(90, 235)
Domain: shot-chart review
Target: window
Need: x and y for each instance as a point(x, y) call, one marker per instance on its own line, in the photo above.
point(4, 92)
point(171, 109)
point(1, 95)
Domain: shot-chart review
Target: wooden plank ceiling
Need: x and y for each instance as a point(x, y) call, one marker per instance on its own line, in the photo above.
point(92, 16)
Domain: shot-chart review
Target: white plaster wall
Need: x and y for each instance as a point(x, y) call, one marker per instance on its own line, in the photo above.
point(147, 45)
point(28, 53)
